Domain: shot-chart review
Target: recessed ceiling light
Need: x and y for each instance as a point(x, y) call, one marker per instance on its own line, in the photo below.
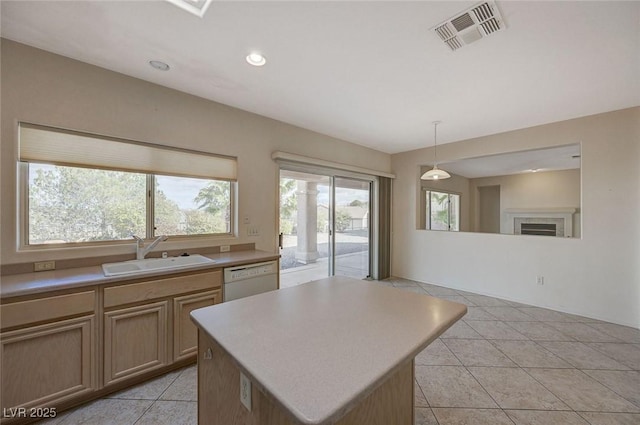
point(159, 65)
point(197, 7)
point(534, 170)
point(256, 59)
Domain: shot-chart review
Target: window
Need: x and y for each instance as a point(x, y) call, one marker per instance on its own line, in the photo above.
point(185, 206)
point(82, 197)
point(70, 204)
point(442, 211)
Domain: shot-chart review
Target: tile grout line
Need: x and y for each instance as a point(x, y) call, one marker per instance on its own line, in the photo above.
point(427, 400)
point(573, 367)
point(158, 398)
point(608, 387)
point(538, 345)
point(172, 382)
point(604, 332)
point(585, 419)
point(473, 376)
point(144, 413)
point(541, 384)
point(519, 367)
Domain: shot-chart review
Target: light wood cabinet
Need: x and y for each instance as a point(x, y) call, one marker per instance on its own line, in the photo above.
point(48, 364)
point(47, 309)
point(146, 323)
point(161, 288)
point(66, 347)
point(47, 349)
point(185, 333)
point(135, 341)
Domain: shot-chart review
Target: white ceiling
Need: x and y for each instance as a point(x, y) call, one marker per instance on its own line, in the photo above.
point(541, 160)
point(368, 72)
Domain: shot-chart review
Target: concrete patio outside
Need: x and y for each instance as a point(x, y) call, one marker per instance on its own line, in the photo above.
point(351, 265)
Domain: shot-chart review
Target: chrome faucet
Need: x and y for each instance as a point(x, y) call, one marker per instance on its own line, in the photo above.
point(141, 250)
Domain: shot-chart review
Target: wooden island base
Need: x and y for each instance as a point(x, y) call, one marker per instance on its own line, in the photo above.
point(219, 396)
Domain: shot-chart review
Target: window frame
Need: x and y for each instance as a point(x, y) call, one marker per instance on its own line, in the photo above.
point(427, 208)
point(23, 214)
point(151, 202)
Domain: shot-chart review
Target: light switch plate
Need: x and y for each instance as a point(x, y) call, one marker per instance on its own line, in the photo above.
point(245, 391)
point(253, 230)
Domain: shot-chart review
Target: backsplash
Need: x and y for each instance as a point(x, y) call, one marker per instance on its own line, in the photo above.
point(19, 268)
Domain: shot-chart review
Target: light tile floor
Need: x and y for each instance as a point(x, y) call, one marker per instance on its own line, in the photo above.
point(503, 363)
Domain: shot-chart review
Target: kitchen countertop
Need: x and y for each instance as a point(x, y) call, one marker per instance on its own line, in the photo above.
point(320, 348)
point(42, 282)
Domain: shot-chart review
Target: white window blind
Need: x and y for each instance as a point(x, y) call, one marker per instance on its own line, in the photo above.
point(62, 147)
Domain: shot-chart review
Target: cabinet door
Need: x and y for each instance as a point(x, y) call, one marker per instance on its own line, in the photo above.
point(185, 333)
point(135, 341)
point(46, 364)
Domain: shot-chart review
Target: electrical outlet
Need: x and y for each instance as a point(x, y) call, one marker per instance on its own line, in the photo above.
point(540, 280)
point(246, 220)
point(44, 266)
point(245, 391)
point(225, 248)
point(208, 355)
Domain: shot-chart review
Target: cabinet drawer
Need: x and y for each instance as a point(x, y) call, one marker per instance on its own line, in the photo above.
point(161, 288)
point(42, 309)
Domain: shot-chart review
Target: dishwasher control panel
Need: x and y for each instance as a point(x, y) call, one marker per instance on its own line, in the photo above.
point(232, 274)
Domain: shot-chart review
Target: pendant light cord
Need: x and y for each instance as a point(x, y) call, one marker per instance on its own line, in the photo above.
point(435, 143)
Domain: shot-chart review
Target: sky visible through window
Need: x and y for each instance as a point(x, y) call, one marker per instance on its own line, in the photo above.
point(183, 190)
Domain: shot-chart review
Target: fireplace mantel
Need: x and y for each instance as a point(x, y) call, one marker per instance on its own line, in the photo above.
point(532, 214)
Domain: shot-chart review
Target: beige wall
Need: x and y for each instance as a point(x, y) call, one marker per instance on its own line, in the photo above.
point(597, 275)
point(551, 189)
point(48, 89)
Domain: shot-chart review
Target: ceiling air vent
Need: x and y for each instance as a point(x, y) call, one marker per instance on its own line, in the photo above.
point(471, 25)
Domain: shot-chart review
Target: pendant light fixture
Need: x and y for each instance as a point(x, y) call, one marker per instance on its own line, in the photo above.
point(435, 173)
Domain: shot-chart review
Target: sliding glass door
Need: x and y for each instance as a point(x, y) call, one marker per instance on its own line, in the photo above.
point(304, 227)
point(352, 227)
point(324, 227)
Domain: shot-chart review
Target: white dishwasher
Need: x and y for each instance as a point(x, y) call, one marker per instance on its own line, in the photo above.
point(250, 279)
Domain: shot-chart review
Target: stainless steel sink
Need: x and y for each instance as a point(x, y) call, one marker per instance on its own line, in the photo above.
point(153, 264)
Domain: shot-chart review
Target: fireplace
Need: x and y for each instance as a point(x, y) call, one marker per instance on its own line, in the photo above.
point(541, 229)
point(548, 222)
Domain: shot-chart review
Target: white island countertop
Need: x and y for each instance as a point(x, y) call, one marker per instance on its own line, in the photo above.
point(320, 348)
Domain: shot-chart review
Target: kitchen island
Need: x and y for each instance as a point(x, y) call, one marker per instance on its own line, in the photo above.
point(333, 351)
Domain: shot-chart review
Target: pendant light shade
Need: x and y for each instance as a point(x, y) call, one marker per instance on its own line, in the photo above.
point(435, 173)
